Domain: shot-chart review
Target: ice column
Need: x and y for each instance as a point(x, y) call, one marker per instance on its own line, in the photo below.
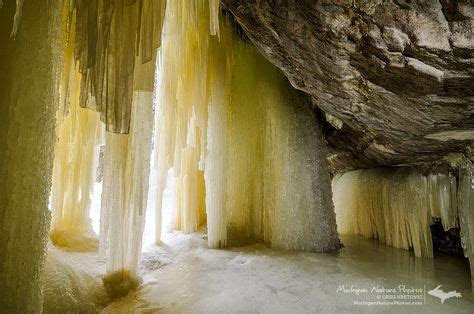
point(442, 190)
point(125, 188)
point(226, 110)
point(109, 37)
point(79, 133)
point(27, 108)
point(124, 197)
point(181, 116)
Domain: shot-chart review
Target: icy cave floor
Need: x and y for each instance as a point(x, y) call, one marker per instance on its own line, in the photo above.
point(184, 276)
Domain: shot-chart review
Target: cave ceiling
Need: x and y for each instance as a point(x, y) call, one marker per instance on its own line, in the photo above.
point(392, 81)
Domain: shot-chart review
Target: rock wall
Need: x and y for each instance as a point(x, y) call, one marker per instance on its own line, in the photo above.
point(393, 79)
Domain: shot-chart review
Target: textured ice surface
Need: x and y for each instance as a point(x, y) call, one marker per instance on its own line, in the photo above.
point(27, 109)
point(395, 206)
point(79, 133)
point(225, 110)
point(124, 197)
point(214, 16)
point(442, 192)
point(258, 279)
point(71, 282)
point(111, 39)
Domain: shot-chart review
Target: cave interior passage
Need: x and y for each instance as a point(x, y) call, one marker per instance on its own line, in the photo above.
point(165, 134)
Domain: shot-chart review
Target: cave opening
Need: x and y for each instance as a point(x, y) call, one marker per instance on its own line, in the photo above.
point(235, 147)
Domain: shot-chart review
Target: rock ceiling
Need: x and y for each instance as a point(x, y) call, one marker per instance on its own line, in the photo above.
point(392, 80)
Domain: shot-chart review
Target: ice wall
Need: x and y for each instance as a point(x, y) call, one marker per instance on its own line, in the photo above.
point(466, 211)
point(79, 133)
point(227, 111)
point(395, 206)
point(124, 197)
point(27, 110)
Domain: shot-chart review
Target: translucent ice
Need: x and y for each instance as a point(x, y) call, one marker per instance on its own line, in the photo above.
point(226, 110)
point(395, 206)
point(124, 197)
point(109, 37)
point(79, 133)
point(28, 99)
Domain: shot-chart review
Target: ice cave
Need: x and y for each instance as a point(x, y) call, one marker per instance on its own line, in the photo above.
point(236, 156)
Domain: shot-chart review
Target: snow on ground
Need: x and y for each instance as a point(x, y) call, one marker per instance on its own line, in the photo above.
point(184, 276)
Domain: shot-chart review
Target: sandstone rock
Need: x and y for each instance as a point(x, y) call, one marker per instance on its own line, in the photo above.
point(398, 74)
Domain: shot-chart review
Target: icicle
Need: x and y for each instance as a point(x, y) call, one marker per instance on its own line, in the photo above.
point(76, 155)
point(226, 110)
point(442, 195)
point(28, 102)
point(182, 107)
point(215, 173)
point(17, 17)
point(395, 206)
point(124, 197)
point(214, 17)
point(109, 36)
point(125, 188)
point(79, 134)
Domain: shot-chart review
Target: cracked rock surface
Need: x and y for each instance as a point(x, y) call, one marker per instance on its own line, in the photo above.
point(394, 80)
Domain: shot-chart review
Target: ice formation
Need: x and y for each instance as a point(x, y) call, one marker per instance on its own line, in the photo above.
point(227, 111)
point(395, 206)
point(111, 51)
point(112, 38)
point(79, 132)
point(214, 16)
point(124, 197)
point(27, 109)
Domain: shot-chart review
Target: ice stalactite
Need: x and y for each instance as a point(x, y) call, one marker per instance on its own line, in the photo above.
point(466, 211)
point(214, 16)
point(226, 110)
point(190, 212)
point(182, 101)
point(17, 17)
point(124, 197)
point(442, 191)
point(79, 132)
point(115, 46)
point(109, 37)
point(74, 175)
point(27, 108)
point(395, 206)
